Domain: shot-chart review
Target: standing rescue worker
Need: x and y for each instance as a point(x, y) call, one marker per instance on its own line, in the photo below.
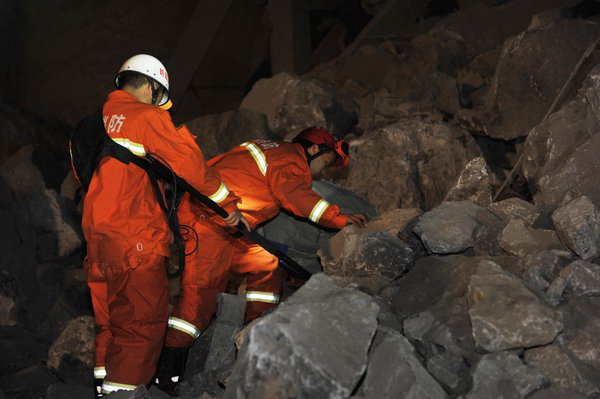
point(267, 176)
point(126, 230)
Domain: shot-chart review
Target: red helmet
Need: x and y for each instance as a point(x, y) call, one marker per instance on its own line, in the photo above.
point(320, 135)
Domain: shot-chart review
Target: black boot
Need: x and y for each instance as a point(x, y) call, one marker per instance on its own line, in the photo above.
point(171, 367)
point(98, 388)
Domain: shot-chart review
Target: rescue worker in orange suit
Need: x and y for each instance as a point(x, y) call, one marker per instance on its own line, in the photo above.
point(126, 230)
point(267, 176)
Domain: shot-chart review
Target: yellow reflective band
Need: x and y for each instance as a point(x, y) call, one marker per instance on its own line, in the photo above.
point(317, 211)
point(137, 148)
point(257, 296)
point(184, 326)
point(221, 194)
point(258, 156)
point(108, 387)
point(99, 372)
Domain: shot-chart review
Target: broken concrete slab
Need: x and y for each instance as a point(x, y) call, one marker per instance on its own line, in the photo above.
point(515, 208)
point(314, 344)
point(408, 378)
point(292, 103)
point(503, 375)
point(473, 184)
point(556, 365)
point(505, 314)
point(578, 226)
point(519, 239)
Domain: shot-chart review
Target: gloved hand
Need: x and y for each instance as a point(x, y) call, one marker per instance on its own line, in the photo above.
point(359, 219)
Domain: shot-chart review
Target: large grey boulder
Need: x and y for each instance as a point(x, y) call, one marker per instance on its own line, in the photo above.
point(415, 162)
point(560, 369)
point(504, 376)
point(580, 337)
point(560, 155)
point(454, 227)
point(519, 239)
point(473, 184)
point(217, 133)
point(314, 344)
point(394, 370)
point(578, 226)
point(292, 103)
point(505, 314)
point(520, 78)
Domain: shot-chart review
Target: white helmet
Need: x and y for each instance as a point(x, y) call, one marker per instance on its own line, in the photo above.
point(149, 66)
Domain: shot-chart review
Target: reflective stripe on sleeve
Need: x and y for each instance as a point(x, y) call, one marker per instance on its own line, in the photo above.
point(137, 148)
point(108, 387)
point(220, 194)
point(184, 326)
point(99, 372)
point(258, 156)
point(317, 211)
point(257, 296)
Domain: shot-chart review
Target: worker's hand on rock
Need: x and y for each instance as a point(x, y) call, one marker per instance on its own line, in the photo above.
point(236, 218)
point(359, 219)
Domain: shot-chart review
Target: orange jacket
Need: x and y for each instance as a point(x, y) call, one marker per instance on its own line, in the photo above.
point(270, 175)
point(121, 216)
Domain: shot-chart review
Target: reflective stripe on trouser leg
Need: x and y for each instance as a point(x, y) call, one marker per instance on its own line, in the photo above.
point(99, 372)
point(258, 296)
point(184, 326)
point(108, 387)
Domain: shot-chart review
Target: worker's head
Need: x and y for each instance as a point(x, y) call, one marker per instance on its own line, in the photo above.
point(323, 149)
point(145, 78)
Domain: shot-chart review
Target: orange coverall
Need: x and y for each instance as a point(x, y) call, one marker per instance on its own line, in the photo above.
point(267, 176)
point(128, 239)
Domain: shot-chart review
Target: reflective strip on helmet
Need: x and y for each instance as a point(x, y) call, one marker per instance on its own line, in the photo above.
point(108, 387)
point(258, 156)
point(220, 194)
point(99, 372)
point(257, 296)
point(317, 211)
point(184, 326)
point(137, 148)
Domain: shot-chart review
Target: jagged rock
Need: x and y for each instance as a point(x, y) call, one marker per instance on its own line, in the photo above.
point(60, 390)
point(580, 337)
point(303, 240)
point(541, 269)
point(71, 356)
point(577, 279)
point(503, 375)
point(212, 355)
point(21, 174)
point(291, 103)
point(217, 133)
point(556, 393)
point(28, 383)
point(451, 371)
point(455, 227)
point(505, 314)
point(407, 378)
point(519, 239)
point(375, 249)
point(556, 365)
point(313, 345)
point(420, 162)
point(7, 310)
point(578, 226)
point(521, 79)
point(560, 154)
point(141, 392)
point(19, 350)
point(515, 208)
point(473, 184)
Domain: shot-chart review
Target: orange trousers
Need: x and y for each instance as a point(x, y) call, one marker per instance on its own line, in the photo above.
point(207, 272)
point(131, 309)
